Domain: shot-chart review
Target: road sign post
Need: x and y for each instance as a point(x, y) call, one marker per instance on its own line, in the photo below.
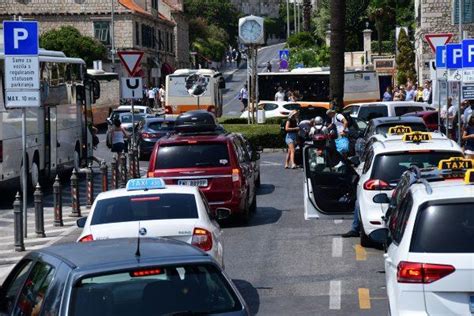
point(22, 82)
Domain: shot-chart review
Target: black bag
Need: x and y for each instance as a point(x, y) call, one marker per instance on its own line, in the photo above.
point(298, 156)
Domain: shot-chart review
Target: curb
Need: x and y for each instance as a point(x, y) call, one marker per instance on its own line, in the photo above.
point(274, 150)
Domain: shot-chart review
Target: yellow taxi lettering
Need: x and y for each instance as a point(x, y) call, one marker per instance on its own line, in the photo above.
point(456, 163)
point(416, 137)
point(399, 130)
point(469, 176)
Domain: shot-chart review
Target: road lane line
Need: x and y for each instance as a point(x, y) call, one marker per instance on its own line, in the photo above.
point(338, 221)
point(337, 247)
point(335, 294)
point(361, 254)
point(364, 298)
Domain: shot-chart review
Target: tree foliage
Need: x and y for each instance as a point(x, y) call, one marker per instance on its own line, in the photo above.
point(405, 59)
point(70, 41)
point(302, 39)
point(309, 57)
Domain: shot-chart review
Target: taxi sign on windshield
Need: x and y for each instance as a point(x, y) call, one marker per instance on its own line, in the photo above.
point(456, 163)
point(145, 184)
point(399, 130)
point(469, 176)
point(416, 137)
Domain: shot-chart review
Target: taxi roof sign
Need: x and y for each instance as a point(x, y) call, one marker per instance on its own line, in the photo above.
point(417, 137)
point(469, 176)
point(145, 184)
point(456, 163)
point(399, 130)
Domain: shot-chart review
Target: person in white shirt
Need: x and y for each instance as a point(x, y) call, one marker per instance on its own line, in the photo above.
point(151, 93)
point(468, 112)
point(162, 95)
point(340, 123)
point(244, 97)
point(280, 95)
point(448, 115)
point(426, 91)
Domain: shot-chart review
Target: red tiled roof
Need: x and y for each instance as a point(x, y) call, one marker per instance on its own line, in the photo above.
point(131, 5)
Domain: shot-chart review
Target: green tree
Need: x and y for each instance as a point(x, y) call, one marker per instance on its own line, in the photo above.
point(405, 59)
point(309, 57)
point(70, 41)
point(302, 39)
point(381, 12)
point(336, 62)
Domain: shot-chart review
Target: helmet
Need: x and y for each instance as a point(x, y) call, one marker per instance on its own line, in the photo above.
point(318, 120)
point(319, 140)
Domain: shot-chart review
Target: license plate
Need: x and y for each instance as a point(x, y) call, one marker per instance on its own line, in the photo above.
point(194, 183)
point(471, 304)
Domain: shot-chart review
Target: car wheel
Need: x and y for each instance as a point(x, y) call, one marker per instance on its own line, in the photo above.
point(253, 206)
point(364, 239)
point(258, 183)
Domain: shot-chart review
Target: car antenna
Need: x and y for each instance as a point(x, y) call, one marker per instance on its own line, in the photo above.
point(137, 252)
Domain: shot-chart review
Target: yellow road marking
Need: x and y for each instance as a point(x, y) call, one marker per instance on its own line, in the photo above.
point(361, 254)
point(364, 298)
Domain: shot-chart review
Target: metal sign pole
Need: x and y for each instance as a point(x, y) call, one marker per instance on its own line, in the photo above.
point(439, 105)
point(459, 113)
point(133, 125)
point(24, 173)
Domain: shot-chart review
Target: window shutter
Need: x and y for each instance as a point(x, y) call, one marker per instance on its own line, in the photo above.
point(468, 12)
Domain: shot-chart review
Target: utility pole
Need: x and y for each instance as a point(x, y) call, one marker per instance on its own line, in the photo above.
point(287, 19)
point(112, 34)
point(294, 15)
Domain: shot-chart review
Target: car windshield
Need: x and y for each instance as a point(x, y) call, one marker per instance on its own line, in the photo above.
point(415, 127)
point(292, 106)
point(144, 207)
point(435, 222)
point(161, 126)
point(127, 118)
point(308, 113)
point(389, 167)
point(162, 290)
point(192, 156)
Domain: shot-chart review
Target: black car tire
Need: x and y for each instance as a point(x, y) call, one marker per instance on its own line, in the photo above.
point(253, 206)
point(364, 239)
point(258, 182)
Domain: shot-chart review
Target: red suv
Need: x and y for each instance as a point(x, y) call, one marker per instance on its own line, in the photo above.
point(217, 162)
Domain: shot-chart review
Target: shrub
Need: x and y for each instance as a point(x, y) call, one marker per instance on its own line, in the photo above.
point(302, 39)
point(266, 136)
point(233, 120)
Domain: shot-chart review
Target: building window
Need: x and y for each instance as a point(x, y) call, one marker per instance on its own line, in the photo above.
point(167, 41)
point(154, 4)
point(172, 42)
point(137, 34)
point(102, 31)
point(468, 11)
point(148, 38)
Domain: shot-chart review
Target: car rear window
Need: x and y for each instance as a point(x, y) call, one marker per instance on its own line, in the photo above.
point(144, 208)
point(197, 289)
point(367, 113)
point(400, 110)
point(447, 228)
point(292, 106)
point(389, 167)
point(161, 126)
point(192, 156)
point(416, 127)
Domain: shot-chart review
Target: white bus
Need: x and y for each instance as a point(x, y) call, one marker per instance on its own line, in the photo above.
point(179, 101)
point(58, 135)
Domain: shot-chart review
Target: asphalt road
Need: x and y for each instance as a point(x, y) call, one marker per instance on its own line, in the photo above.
point(232, 106)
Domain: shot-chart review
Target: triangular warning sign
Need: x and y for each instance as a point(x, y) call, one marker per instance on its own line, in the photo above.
point(131, 60)
point(438, 39)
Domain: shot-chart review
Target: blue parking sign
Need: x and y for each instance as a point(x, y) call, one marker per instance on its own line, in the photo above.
point(441, 57)
point(454, 56)
point(21, 38)
point(468, 53)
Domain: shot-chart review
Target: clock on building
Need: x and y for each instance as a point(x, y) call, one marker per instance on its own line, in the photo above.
point(251, 30)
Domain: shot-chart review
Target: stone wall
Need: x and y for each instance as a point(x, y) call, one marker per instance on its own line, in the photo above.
point(27, 7)
point(181, 38)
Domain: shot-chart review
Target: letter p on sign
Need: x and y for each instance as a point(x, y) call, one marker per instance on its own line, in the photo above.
point(468, 53)
point(20, 38)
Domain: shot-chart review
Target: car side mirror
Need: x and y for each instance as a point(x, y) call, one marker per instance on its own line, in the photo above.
point(222, 214)
point(355, 160)
point(381, 198)
point(380, 236)
point(81, 222)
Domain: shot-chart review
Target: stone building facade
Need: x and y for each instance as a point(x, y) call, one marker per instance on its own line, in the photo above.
point(265, 8)
point(438, 16)
point(138, 25)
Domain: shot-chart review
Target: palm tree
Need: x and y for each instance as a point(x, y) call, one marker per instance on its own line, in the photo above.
point(336, 62)
point(382, 14)
point(307, 15)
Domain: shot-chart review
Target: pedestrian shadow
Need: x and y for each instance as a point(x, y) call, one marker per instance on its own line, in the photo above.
point(250, 295)
point(265, 189)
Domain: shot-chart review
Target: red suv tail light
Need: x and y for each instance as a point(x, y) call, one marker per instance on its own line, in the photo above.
point(235, 175)
point(202, 239)
point(376, 184)
point(87, 238)
point(424, 273)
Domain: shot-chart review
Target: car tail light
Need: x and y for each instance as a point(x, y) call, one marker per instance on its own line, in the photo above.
point(285, 113)
point(149, 135)
point(202, 239)
point(150, 174)
point(211, 109)
point(168, 110)
point(235, 175)
point(87, 238)
point(146, 272)
point(414, 272)
point(376, 184)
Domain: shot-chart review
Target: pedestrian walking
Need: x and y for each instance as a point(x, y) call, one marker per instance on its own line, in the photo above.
point(419, 94)
point(341, 125)
point(468, 137)
point(468, 112)
point(427, 91)
point(397, 94)
point(162, 96)
point(151, 93)
point(280, 95)
point(387, 96)
point(448, 115)
point(291, 129)
point(269, 66)
point(291, 97)
point(118, 136)
point(244, 97)
point(410, 93)
point(238, 59)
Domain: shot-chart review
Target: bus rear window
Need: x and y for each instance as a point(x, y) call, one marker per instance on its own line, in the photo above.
point(447, 228)
point(192, 156)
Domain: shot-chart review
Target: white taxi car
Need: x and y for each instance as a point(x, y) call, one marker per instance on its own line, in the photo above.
point(429, 261)
point(149, 208)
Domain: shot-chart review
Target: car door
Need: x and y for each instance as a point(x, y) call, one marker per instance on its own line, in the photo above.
point(254, 158)
point(215, 228)
point(329, 184)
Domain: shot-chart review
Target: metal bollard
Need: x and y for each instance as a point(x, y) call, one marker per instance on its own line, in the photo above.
point(58, 203)
point(113, 165)
point(39, 212)
point(18, 228)
point(131, 163)
point(105, 176)
point(90, 186)
point(75, 202)
point(123, 171)
point(136, 163)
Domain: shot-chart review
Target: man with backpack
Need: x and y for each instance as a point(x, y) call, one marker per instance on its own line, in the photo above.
point(340, 125)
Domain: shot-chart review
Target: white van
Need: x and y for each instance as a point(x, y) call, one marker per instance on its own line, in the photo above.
point(368, 111)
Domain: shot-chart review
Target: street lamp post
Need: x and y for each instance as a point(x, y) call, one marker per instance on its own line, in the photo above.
point(295, 16)
point(287, 19)
point(112, 34)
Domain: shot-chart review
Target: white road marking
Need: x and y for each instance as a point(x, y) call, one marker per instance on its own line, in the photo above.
point(338, 221)
point(270, 163)
point(335, 294)
point(337, 247)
